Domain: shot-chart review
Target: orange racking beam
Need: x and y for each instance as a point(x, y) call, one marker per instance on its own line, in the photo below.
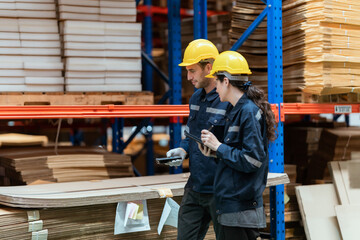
point(99, 111)
point(92, 111)
point(317, 108)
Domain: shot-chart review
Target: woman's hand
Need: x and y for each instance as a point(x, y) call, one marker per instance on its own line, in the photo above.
point(206, 151)
point(209, 140)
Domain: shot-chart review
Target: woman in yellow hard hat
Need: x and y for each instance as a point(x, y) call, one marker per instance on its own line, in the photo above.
point(241, 175)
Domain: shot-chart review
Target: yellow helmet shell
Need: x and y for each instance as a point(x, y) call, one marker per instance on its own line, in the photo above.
point(198, 50)
point(231, 62)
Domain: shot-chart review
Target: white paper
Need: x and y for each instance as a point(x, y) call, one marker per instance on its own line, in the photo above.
point(169, 215)
point(124, 220)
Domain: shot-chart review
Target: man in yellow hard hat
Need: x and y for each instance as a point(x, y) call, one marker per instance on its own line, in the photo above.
point(197, 208)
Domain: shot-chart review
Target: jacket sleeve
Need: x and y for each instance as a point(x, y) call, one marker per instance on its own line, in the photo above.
point(184, 144)
point(251, 155)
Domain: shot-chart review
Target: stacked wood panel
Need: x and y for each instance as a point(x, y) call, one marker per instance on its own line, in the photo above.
point(64, 165)
point(102, 52)
point(30, 47)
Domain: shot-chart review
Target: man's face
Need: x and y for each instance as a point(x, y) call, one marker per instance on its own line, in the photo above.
point(196, 75)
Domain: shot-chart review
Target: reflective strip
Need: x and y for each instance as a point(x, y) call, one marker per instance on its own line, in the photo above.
point(187, 129)
point(258, 115)
point(216, 111)
point(253, 161)
point(194, 107)
point(234, 129)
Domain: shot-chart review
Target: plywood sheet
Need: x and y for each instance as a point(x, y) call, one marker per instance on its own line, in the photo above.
point(348, 217)
point(317, 207)
point(100, 192)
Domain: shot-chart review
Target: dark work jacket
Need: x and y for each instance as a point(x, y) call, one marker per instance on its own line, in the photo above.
point(243, 159)
point(205, 110)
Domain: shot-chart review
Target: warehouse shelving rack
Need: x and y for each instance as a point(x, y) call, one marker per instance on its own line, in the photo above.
point(175, 111)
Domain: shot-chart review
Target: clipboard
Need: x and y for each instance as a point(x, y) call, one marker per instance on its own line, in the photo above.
point(193, 137)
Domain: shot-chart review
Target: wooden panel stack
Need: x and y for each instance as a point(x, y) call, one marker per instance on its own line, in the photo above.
point(103, 51)
point(69, 164)
point(321, 50)
point(254, 48)
point(30, 47)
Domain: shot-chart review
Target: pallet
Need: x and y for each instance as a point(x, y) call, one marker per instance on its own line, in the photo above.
point(301, 97)
point(77, 98)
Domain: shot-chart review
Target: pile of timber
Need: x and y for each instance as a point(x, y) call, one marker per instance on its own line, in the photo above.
point(30, 47)
point(102, 52)
point(67, 164)
point(334, 145)
point(331, 211)
point(321, 48)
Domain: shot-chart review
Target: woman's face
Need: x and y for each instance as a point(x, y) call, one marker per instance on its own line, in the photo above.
point(221, 89)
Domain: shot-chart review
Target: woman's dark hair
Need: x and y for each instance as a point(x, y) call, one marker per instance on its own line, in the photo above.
point(257, 95)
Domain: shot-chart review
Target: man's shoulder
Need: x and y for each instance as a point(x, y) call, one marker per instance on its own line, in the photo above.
point(196, 95)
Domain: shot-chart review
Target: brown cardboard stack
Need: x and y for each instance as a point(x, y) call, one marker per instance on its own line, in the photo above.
point(334, 145)
point(29, 47)
point(102, 52)
point(321, 50)
point(30, 165)
point(254, 49)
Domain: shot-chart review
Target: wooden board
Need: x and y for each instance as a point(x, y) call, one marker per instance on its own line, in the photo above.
point(317, 207)
point(347, 194)
point(91, 98)
point(100, 192)
point(349, 221)
point(17, 139)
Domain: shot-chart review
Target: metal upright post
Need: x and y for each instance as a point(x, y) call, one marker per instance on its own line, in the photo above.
point(200, 19)
point(117, 140)
point(275, 95)
point(174, 38)
point(148, 76)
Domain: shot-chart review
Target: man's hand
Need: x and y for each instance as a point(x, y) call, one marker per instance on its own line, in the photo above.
point(176, 152)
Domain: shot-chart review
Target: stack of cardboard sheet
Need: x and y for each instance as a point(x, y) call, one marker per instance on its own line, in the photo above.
point(29, 47)
point(86, 222)
point(254, 49)
point(29, 165)
point(86, 210)
point(103, 51)
point(334, 145)
point(331, 211)
point(98, 10)
point(321, 47)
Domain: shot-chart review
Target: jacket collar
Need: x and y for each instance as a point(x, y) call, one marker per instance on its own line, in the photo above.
point(244, 98)
point(210, 96)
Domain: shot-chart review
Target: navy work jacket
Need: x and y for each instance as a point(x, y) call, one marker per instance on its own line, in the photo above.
point(205, 110)
point(243, 159)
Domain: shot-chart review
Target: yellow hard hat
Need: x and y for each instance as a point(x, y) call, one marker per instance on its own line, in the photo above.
point(198, 50)
point(231, 62)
